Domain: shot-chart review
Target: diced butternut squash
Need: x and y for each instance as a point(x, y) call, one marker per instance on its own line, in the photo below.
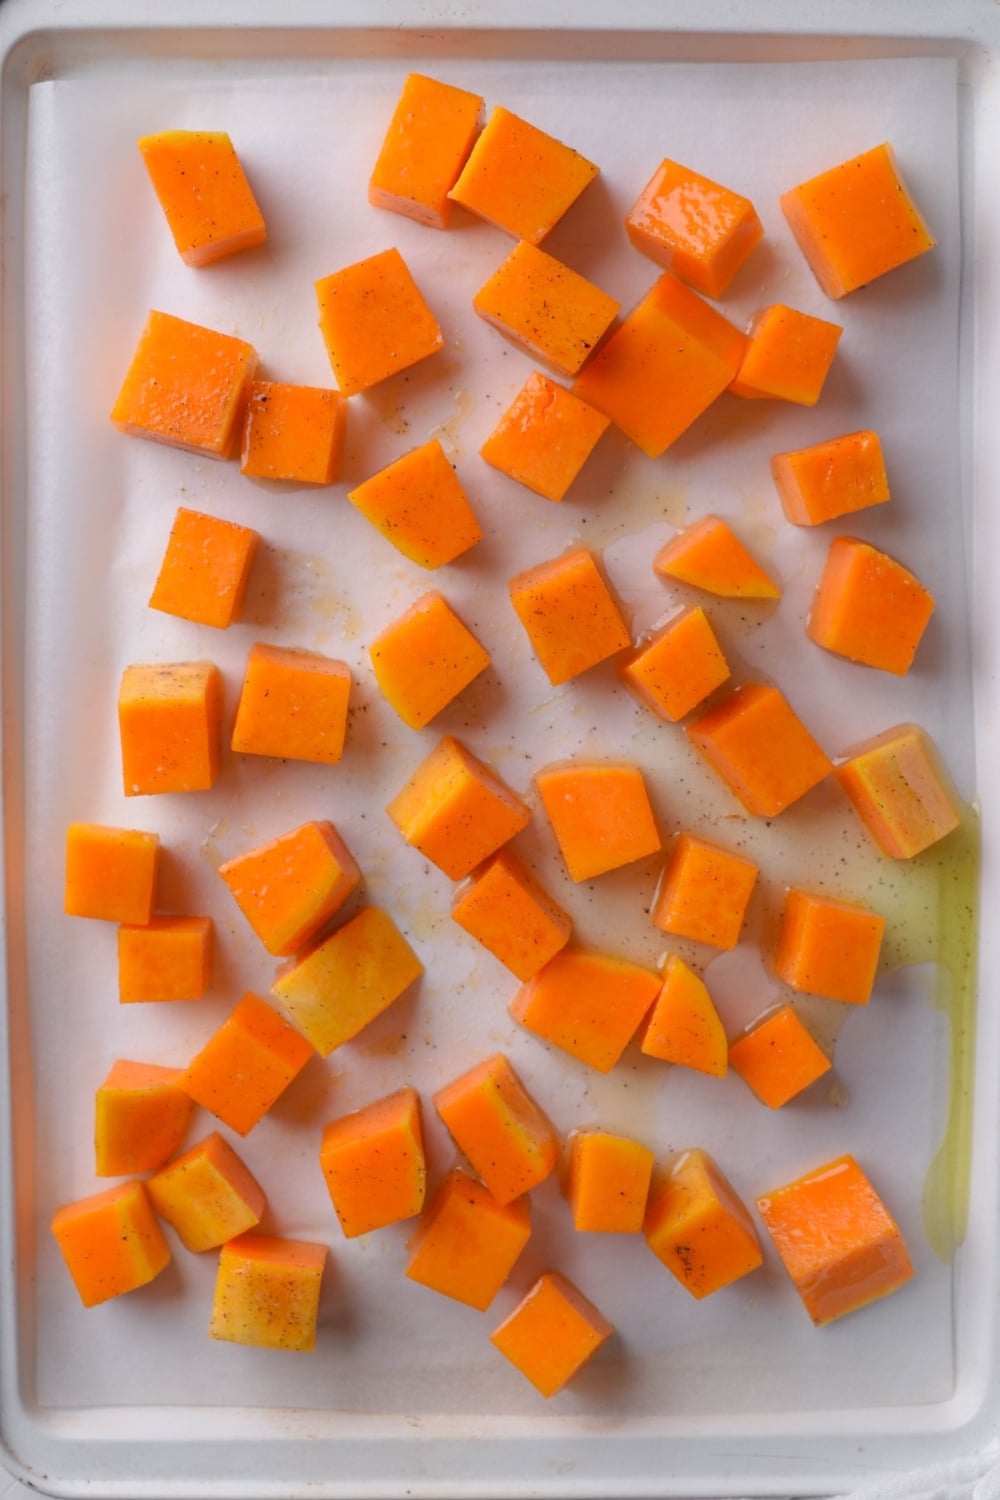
point(111, 1242)
point(291, 886)
point(170, 958)
point(432, 130)
point(677, 667)
point(110, 873)
point(698, 1226)
point(521, 179)
point(293, 432)
point(423, 660)
point(552, 1333)
point(293, 705)
point(701, 231)
point(760, 748)
point(185, 386)
point(569, 613)
point(704, 892)
point(831, 479)
point(170, 722)
point(856, 221)
point(204, 193)
point(498, 1126)
point(141, 1117)
point(778, 1057)
point(208, 1195)
point(267, 1292)
point(868, 607)
point(545, 308)
point(205, 569)
point(600, 814)
point(456, 811)
point(418, 505)
point(373, 1162)
point(900, 790)
point(709, 556)
point(607, 1182)
point(333, 990)
point(683, 1025)
point(504, 908)
point(248, 1063)
point(466, 1243)
point(788, 356)
point(544, 439)
point(374, 321)
point(839, 1243)
point(587, 1004)
point(829, 948)
point(664, 365)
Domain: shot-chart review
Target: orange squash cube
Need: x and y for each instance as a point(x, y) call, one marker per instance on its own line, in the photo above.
point(677, 667)
point(141, 1116)
point(829, 948)
point(683, 1025)
point(185, 386)
point(208, 1195)
point(504, 908)
point(204, 193)
point(333, 990)
point(698, 1226)
point(205, 569)
point(856, 221)
point(521, 179)
point(170, 958)
point(704, 892)
point(701, 231)
point(788, 356)
point(291, 886)
point(293, 705)
point(900, 791)
point(570, 615)
point(418, 505)
point(292, 432)
point(267, 1292)
point(373, 1162)
point(600, 814)
point(466, 1243)
point(110, 873)
point(607, 1182)
point(551, 312)
point(552, 1333)
point(587, 1004)
point(246, 1065)
point(432, 130)
point(778, 1057)
point(545, 437)
point(709, 556)
point(869, 608)
point(499, 1128)
point(831, 479)
point(111, 1242)
point(423, 660)
point(839, 1243)
point(760, 748)
point(665, 364)
point(374, 321)
point(170, 722)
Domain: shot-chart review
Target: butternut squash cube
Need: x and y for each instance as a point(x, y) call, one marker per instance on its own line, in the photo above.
point(110, 873)
point(111, 1242)
point(521, 179)
point(760, 748)
point(204, 193)
point(588, 1004)
point(499, 1128)
point(293, 432)
point(373, 1162)
point(504, 908)
point(551, 312)
point(141, 1116)
point(778, 1057)
point(544, 439)
point(829, 948)
point(248, 1063)
point(704, 892)
point(267, 1292)
point(423, 660)
point(788, 356)
point(831, 479)
point(432, 130)
point(291, 886)
point(293, 705)
point(418, 505)
point(208, 1195)
point(552, 1333)
point(900, 791)
point(868, 607)
point(466, 1243)
point(570, 615)
point(607, 1182)
point(677, 667)
point(170, 722)
point(698, 1227)
point(600, 814)
point(374, 321)
point(701, 231)
point(170, 958)
point(683, 1025)
point(205, 569)
point(709, 556)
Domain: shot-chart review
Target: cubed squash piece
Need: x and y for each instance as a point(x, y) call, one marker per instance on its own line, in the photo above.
point(550, 311)
point(569, 613)
point(552, 1333)
point(334, 989)
point(292, 432)
point(267, 1292)
point(456, 811)
point(418, 505)
point(141, 1117)
point(110, 873)
point(708, 555)
point(778, 1057)
point(423, 660)
point(373, 1162)
point(831, 479)
point(900, 790)
point(170, 722)
point(839, 1243)
point(683, 1025)
point(869, 608)
point(185, 386)
point(205, 569)
point(504, 908)
point(246, 1065)
point(698, 1226)
point(588, 1004)
point(432, 130)
point(695, 227)
point(677, 667)
point(607, 1182)
point(521, 179)
point(209, 1195)
point(600, 814)
point(544, 439)
point(788, 356)
point(204, 193)
point(111, 1242)
point(170, 958)
point(291, 886)
point(829, 948)
point(374, 321)
point(293, 705)
point(466, 1243)
point(760, 747)
point(499, 1128)
point(856, 221)
point(704, 892)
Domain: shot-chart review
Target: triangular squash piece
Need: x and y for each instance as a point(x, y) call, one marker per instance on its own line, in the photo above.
point(683, 1025)
point(709, 556)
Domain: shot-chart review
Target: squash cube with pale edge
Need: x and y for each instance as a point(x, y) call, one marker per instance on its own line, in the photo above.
point(570, 615)
point(333, 990)
point(185, 386)
point(466, 1243)
point(829, 948)
point(374, 321)
point(291, 886)
point(600, 814)
point(587, 1004)
point(499, 1128)
point(504, 908)
point(141, 1117)
point(293, 432)
point(521, 179)
point(788, 356)
point(709, 556)
point(701, 231)
point(373, 1162)
point(110, 873)
point(683, 1025)
point(170, 722)
point(607, 1182)
point(544, 439)
point(247, 1065)
point(432, 130)
point(456, 811)
point(111, 1242)
point(778, 1057)
point(677, 667)
point(293, 705)
point(423, 660)
point(267, 1292)
point(839, 1243)
point(704, 892)
point(205, 569)
point(760, 747)
point(552, 1333)
point(170, 958)
point(204, 193)
point(698, 1227)
point(551, 312)
point(418, 505)
point(868, 607)
point(900, 791)
point(208, 1195)
point(831, 479)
